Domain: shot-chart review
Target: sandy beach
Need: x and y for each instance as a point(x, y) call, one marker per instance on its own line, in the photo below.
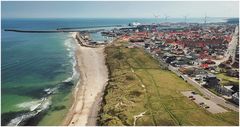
point(88, 91)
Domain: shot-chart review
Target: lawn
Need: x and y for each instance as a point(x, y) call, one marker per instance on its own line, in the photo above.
point(137, 84)
point(227, 80)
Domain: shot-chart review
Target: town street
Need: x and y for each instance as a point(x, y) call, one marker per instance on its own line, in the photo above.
point(213, 97)
point(232, 46)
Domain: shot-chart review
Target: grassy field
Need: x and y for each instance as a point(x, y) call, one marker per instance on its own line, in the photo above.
point(226, 80)
point(138, 85)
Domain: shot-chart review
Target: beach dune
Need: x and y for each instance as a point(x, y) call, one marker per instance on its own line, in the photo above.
point(88, 91)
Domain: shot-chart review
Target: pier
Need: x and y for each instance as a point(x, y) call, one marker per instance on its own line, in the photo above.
point(65, 29)
point(54, 31)
point(87, 27)
point(41, 31)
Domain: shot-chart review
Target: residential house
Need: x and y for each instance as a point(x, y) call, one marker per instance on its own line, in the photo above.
point(211, 80)
point(235, 97)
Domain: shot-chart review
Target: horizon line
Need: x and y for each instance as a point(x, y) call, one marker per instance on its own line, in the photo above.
point(104, 17)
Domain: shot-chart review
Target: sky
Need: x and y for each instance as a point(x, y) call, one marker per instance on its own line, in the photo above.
point(120, 9)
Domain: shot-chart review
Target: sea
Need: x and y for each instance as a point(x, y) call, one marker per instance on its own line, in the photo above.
point(38, 69)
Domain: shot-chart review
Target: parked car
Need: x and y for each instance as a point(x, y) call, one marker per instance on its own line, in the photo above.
point(193, 99)
point(190, 96)
point(193, 92)
point(206, 107)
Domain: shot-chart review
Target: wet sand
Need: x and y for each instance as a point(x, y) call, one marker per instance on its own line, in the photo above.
point(88, 91)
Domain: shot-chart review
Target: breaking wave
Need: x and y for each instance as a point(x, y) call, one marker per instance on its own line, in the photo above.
point(71, 47)
point(36, 107)
point(29, 105)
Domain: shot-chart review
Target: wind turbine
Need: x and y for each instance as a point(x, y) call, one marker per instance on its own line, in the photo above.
point(166, 18)
point(185, 19)
point(156, 16)
point(205, 18)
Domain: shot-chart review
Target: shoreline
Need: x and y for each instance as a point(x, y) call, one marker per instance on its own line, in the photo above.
point(87, 92)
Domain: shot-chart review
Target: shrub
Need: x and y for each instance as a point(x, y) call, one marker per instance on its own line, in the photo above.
point(129, 77)
point(135, 93)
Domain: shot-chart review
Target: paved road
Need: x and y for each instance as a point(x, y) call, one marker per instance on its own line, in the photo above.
point(231, 49)
point(232, 46)
point(213, 97)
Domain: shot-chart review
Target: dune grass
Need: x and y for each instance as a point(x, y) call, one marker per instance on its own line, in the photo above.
point(137, 84)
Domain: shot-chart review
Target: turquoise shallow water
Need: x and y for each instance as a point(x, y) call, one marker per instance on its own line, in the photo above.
point(35, 65)
point(32, 63)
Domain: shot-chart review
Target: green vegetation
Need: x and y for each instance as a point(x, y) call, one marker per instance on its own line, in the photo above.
point(138, 84)
point(227, 80)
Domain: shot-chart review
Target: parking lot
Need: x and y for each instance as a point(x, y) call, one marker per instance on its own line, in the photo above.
point(204, 103)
